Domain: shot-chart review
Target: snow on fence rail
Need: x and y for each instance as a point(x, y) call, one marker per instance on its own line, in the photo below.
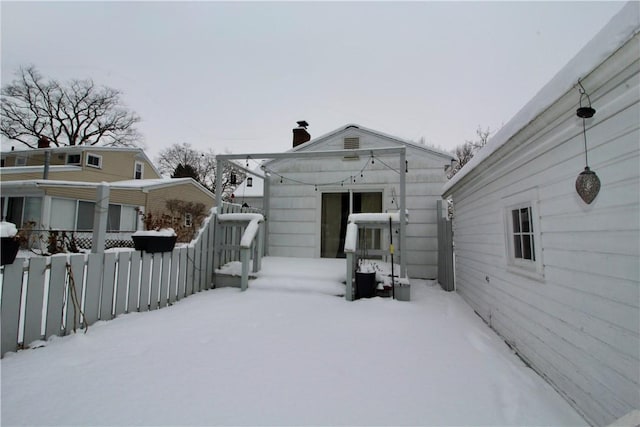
point(247, 240)
point(38, 299)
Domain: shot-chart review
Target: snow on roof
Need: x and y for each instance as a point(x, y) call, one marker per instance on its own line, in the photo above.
point(622, 27)
point(317, 140)
point(70, 148)
point(147, 183)
point(256, 189)
point(133, 184)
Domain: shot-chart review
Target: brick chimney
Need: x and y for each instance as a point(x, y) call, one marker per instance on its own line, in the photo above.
point(300, 134)
point(44, 142)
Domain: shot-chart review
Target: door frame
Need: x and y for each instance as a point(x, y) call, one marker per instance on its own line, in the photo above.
point(339, 189)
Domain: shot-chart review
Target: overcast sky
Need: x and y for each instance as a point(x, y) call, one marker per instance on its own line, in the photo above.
point(235, 77)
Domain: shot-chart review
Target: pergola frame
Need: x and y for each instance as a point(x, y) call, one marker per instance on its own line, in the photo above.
point(401, 152)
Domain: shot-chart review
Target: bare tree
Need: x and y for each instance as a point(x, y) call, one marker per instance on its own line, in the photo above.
point(77, 113)
point(465, 152)
point(203, 165)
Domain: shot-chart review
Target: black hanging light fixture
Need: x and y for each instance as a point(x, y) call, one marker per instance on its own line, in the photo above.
point(587, 183)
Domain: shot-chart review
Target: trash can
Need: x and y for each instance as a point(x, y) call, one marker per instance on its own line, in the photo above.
point(365, 285)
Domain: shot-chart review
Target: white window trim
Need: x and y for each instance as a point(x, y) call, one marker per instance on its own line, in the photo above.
point(528, 268)
point(135, 168)
point(98, 156)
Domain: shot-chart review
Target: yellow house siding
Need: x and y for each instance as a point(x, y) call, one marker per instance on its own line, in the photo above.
point(186, 191)
point(116, 166)
point(22, 176)
point(120, 165)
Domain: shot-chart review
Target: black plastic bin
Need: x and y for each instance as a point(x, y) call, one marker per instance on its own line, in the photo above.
point(149, 243)
point(9, 250)
point(365, 285)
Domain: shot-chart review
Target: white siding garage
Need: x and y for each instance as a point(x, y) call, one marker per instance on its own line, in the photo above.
point(559, 279)
point(310, 198)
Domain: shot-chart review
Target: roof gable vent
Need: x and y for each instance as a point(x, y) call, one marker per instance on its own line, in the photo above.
point(352, 143)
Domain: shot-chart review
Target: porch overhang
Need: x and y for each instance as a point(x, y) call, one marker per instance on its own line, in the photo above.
point(400, 152)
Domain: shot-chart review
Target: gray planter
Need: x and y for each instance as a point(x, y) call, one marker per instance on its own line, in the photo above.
point(402, 292)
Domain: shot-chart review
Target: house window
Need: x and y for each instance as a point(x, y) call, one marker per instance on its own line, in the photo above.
point(522, 234)
point(22, 210)
point(118, 217)
point(21, 161)
point(1, 163)
point(138, 170)
point(523, 239)
point(73, 159)
point(84, 222)
point(94, 160)
point(63, 214)
point(188, 220)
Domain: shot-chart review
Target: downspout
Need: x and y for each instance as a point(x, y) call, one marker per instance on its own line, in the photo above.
point(47, 162)
point(266, 196)
point(219, 185)
point(403, 214)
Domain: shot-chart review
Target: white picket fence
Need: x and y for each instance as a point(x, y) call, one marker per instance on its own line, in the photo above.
point(38, 299)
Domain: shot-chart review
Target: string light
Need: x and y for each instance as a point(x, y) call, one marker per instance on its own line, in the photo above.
point(351, 178)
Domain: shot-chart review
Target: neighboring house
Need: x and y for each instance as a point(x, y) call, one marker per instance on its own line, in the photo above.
point(67, 199)
point(78, 163)
point(310, 199)
point(559, 278)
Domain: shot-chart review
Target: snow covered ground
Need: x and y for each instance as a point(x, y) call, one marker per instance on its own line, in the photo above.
point(285, 352)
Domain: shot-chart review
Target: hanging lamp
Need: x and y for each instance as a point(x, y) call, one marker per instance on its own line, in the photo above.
point(587, 183)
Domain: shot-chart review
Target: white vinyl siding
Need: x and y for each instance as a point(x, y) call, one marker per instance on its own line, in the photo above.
point(580, 326)
point(295, 209)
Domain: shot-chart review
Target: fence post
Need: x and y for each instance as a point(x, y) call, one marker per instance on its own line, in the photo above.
point(244, 258)
point(100, 215)
point(349, 290)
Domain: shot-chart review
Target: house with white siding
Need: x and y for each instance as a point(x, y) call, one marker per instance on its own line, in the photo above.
point(557, 277)
point(309, 199)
